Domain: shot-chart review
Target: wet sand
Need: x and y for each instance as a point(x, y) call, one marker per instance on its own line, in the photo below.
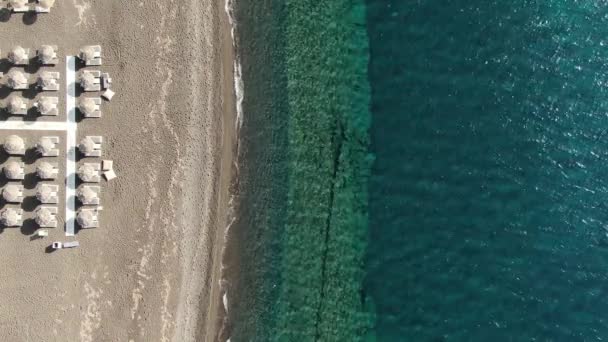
point(151, 271)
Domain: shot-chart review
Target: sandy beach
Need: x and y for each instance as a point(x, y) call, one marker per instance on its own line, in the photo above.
point(150, 272)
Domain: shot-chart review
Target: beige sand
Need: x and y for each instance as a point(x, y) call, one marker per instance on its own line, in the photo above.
point(151, 271)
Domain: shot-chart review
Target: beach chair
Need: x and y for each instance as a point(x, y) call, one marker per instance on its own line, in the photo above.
point(47, 105)
point(108, 94)
point(106, 80)
point(49, 80)
point(47, 193)
point(18, 6)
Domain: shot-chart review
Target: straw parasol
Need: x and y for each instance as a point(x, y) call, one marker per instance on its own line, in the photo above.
point(46, 105)
point(85, 218)
point(45, 170)
point(16, 79)
point(46, 54)
point(44, 193)
point(15, 103)
point(45, 145)
point(87, 106)
point(14, 144)
point(87, 80)
point(44, 217)
point(11, 193)
point(86, 146)
point(17, 54)
point(9, 217)
point(85, 194)
point(45, 79)
point(12, 170)
point(87, 173)
point(87, 53)
point(46, 3)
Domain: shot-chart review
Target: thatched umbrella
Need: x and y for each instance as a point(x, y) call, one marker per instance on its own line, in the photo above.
point(16, 79)
point(87, 80)
point(87, 106)
point(11, 193)
point(85, 194)
point(86, 146)
point(44, 193)
point(45, 170)
point(87, 173)
point(45, 145)
point(15, 103)
point(46, 54)
point(46, 3)
point(17, 54)
point(44, 217)
point(45, 79)
point(87, 53)
point(12, 170)
point(9, 217)
point(14, 144)
point(85, 218)
point(46, 105)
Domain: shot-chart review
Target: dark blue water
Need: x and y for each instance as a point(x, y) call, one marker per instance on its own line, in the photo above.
point(488, 197)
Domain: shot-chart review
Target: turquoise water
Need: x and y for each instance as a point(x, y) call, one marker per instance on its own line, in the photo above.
point(487, 200)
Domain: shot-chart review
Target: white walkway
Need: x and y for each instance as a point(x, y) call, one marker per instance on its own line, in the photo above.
point(69, 126)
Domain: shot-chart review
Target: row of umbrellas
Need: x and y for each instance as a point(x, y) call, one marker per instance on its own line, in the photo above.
point(47, 4)
point(14, 144)
point(17, 79)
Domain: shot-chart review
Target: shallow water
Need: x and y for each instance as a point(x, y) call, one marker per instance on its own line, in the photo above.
point(488, 193)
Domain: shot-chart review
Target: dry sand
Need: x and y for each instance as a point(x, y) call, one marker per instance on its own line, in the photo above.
point(151, 271)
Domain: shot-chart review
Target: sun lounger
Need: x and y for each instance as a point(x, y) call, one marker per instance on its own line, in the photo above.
point(107, 165)
point(49, 81)
point(47, 105)
point(106, 80)
point(95, 84)
point(47, 193)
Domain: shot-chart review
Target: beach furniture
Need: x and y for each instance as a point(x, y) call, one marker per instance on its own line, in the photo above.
point(110, 174)
point(46, 217)
point(17, 80)
point(108, 94)
point(19, 56)
point(14, 145)
point(14, 170)
point(89, 173)
point(90, 107)
point(47, 55)
point(90, 146)
point(88, 194)
point(42, 233)
point(62, 245)
point(47, 171)
point(16, 105)
point(13, 193)
point(47, 193)
point(44, 6)
point(48, 146)
point(47, 105)
point(107, 165)
point(49, 80)
point(87, 218)
point(91, 55)
point(106, 80)
point(11, 217)
point(90, 80)
point(18, 6)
